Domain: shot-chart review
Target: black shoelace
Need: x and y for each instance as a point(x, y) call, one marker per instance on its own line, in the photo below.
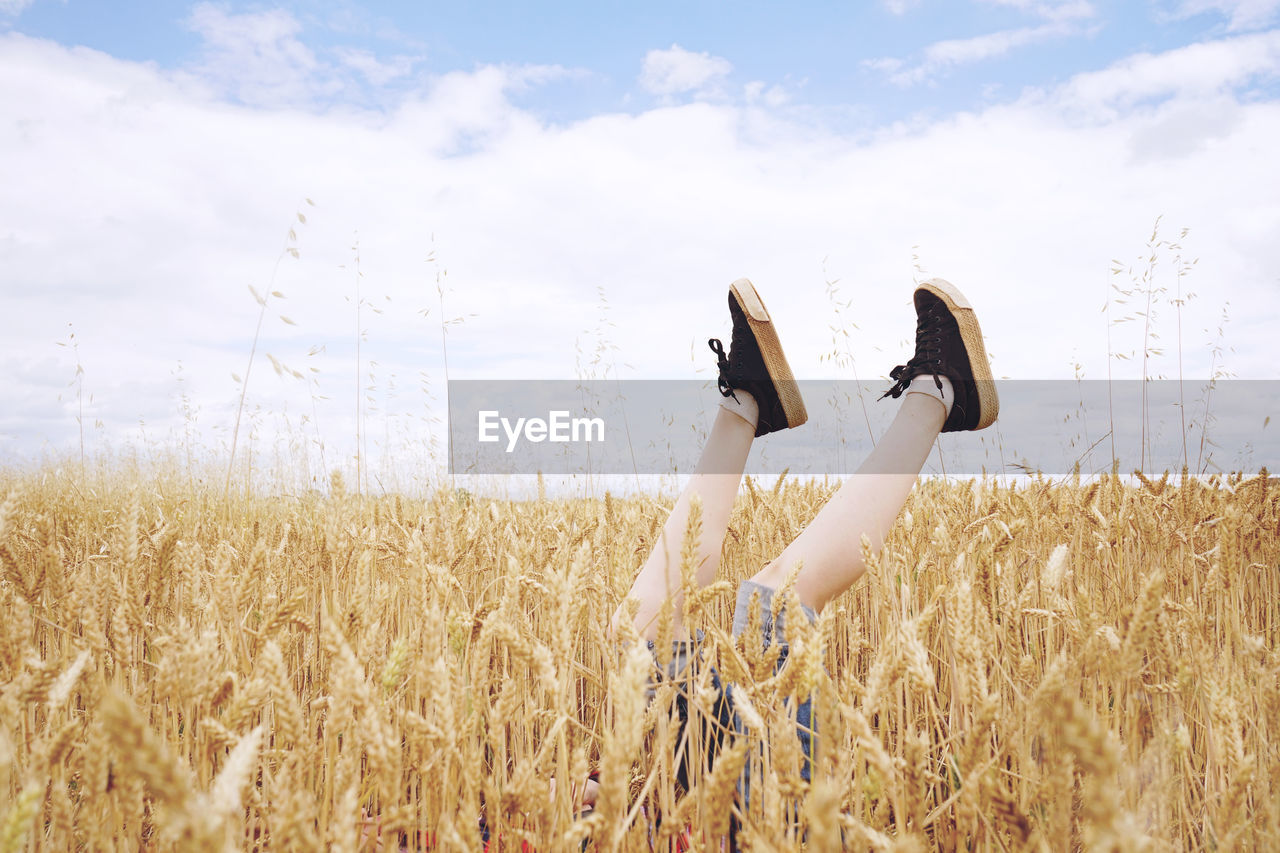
point(722, 362)
point(928, 352)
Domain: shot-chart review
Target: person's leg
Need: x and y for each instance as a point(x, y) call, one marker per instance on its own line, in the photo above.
point(830, 547)
point(949, 388)
point(714, 485)
point(761, 396)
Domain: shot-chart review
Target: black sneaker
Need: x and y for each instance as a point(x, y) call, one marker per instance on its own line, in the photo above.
point(755, 363)
point(949, 343)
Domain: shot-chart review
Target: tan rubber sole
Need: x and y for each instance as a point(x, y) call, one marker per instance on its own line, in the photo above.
point(971, 336)
point(771, 350)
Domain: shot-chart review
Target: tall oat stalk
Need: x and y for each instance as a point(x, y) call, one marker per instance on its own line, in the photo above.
point(290, 250)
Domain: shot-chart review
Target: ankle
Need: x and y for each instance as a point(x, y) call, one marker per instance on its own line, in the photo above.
point(742, 404)
point(927, 384)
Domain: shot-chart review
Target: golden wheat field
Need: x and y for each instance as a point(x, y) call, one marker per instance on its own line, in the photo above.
point(1047, 666)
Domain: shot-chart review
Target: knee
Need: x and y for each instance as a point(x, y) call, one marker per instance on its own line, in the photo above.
point(642, 622)
point(621, 615)
point(775, 575)
point(772, 575)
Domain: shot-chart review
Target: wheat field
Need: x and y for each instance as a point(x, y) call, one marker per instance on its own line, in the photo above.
point(1048, 666)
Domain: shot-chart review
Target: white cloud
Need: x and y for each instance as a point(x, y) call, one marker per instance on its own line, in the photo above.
point(261, 59)
point(256, 56)
point(139, 206)
point(1053, 10)
point(946, 54)
point(887, 64)
point(757, 92)
point(675, 71)
point(463, 110)
point(373, 69)
point(14, 7)
point(1200, 70)
point(1240, 14)
point(978, 48)
point(1062, 18)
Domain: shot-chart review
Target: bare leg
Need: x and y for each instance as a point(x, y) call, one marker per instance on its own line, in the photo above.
point(830, 547)
point(715, 483)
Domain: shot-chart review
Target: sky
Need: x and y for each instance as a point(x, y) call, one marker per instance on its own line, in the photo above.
point(559, 191)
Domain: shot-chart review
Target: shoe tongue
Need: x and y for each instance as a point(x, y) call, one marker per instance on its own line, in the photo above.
point(936, 316)
point(746, 356)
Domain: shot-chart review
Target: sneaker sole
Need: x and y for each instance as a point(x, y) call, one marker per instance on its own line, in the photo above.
point(744, 292)
point(971, 337)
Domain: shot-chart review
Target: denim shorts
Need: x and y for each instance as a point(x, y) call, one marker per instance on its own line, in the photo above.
point(710, 729)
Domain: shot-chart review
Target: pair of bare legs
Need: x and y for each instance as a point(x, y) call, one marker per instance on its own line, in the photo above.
point(828, 551)
point(948, 387)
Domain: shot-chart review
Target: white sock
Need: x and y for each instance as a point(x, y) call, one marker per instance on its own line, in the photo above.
point(924, 384)
point(745, 406)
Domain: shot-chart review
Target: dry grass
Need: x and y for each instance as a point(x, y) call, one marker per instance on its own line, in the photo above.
point(1052, 666)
